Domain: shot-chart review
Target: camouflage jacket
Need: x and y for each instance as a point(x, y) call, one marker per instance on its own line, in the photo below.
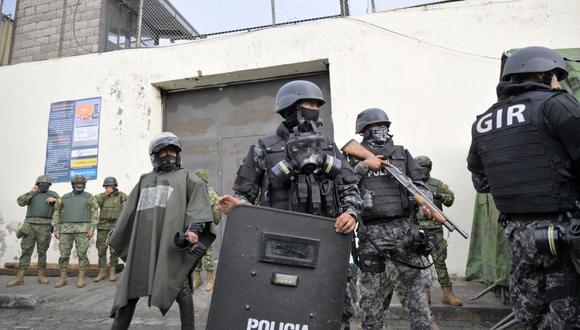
point(213, 196)
point(442, 195)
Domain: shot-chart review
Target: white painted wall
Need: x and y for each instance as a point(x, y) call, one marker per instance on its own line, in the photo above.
point(431, 94)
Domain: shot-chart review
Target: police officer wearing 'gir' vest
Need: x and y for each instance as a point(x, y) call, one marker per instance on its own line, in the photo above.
point(298, 168)
point(525, 150)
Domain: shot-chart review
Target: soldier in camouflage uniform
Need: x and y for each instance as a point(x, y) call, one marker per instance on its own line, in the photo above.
point(111, 204)
point(74, 221)
point(386, 225)
point(36, 228)
point(442, 195)
point(207, 260)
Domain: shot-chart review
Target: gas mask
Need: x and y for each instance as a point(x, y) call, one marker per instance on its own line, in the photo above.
point(304, 156)
point(43, 187)
point(378, 136)
point(78, 188)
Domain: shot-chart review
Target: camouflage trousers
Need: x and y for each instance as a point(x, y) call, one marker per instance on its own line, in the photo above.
point(439, 256)
point(390, 238)
point(34, 234)
point(102, 248)
point(390, 284)
point(534, 275)
point(349, 303)
point(65, 244)
point(207, 262)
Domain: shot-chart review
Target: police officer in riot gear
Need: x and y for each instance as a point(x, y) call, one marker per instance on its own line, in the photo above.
point(387, 224)
point(298, 168)
point(525, 151)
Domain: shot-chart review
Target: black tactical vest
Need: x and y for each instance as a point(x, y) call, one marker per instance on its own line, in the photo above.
point(528, 170)
point(38, 207)
point(280, 195)
point(390, 200)
point(75, 207)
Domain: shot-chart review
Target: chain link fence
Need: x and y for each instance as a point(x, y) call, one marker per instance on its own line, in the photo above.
point(46, 29)
point(8, 12)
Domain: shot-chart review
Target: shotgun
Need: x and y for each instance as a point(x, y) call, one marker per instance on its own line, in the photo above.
point(355, 149)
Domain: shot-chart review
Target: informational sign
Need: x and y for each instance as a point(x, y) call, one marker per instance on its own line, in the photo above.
point(73, 139)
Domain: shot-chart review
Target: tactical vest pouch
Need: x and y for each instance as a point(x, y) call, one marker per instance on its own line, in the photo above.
point(369, 263)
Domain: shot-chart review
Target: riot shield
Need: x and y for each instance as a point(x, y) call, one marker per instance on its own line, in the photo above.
point(279, 270)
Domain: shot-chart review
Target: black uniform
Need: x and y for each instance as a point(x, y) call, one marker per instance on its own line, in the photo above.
point(526, 152)
point(256, 184)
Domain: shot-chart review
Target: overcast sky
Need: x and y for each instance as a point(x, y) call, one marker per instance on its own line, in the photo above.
point(223, 15)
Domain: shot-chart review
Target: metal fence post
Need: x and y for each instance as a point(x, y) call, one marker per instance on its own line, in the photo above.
point(344, 11)
point(139, 21)
point(273, 5)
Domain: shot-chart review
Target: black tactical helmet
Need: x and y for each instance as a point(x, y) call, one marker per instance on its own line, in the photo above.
point(78, 179)
point(43, 179)
point(423, 161)
point(163, 140)
point(371, 116)
point(298, 90)
point(534, 59)
point(110, 181)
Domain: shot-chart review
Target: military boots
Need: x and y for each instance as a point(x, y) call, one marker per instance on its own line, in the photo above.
point(113, 274)
point(102, 274)
point(41, 278)
point(19, 280)
point(62, 280)
point(210, 281)
point(81, 280)
point(449, 298)
point(196, 279)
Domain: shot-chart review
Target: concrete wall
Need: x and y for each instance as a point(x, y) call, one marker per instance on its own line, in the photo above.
point(44, 29)
point(431, 93)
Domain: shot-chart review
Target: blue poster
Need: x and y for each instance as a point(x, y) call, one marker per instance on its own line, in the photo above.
point(73, 139)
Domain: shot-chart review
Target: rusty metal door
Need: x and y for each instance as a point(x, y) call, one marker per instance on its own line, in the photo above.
point(218, 125)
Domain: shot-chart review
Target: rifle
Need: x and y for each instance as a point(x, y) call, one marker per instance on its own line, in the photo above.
point(355, 149)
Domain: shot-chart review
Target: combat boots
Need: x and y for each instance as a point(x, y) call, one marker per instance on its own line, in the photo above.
point(41, 278)
point(449, 298)
point(62, 280)
point(196, 279)
point(210, 281)
point(102, 274)
point(113, 274)
point(19, 280)
point(81, 280)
